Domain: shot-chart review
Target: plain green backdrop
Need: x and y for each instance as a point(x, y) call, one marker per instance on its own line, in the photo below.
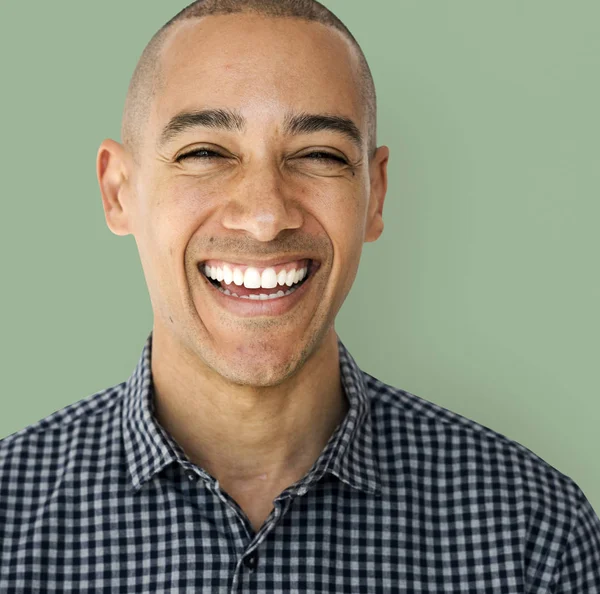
point(482, 293)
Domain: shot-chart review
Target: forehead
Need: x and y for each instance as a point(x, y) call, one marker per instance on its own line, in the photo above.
point(262, 66)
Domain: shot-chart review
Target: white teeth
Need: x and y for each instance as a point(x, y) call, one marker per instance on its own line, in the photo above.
point(227, 274)
point(238, 277)
point(268, 279)
point(252, 279)
point(291, 275)
point(262, 296)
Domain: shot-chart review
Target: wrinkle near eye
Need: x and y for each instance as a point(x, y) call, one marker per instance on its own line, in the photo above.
point(163, 158)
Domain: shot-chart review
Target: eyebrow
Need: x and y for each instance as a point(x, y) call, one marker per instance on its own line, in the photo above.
point(295, 123)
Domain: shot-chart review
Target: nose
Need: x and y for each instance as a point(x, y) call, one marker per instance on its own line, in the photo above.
point(261, 203)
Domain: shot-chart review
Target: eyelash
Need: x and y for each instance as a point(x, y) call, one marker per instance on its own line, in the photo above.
point(194, 154)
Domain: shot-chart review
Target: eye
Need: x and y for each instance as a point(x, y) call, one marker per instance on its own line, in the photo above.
point(325, 157)
point(207, 154)
point(199, 153)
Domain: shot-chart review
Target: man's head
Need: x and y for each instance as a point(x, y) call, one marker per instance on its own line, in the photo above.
point(248, 138)
point(147, 78)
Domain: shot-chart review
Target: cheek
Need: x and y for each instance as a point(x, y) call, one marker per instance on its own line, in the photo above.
point(184, 200)
point(178, 211)
point(341, 217)
point(346, 220)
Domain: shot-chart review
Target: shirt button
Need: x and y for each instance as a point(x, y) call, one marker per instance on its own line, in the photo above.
point(252, 560)
point(191, 476)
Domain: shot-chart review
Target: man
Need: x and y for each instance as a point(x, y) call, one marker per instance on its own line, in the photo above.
point(248, 451)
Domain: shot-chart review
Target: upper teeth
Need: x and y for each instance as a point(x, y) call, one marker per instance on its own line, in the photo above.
point(252, 278)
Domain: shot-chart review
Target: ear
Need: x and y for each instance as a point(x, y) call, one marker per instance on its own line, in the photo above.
point(379, 182)
point(113, 172)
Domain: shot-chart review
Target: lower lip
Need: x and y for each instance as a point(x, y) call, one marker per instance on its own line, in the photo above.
point(258, 307)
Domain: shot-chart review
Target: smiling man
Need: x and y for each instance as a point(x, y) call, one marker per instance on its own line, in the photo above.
point(248, 451)
point(250, 199)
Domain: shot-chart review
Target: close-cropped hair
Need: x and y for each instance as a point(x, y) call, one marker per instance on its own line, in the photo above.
point(146, 78)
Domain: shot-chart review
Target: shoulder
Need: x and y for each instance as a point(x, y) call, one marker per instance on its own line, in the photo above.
point(486, 490)
point(432, 441)
point(76, 426)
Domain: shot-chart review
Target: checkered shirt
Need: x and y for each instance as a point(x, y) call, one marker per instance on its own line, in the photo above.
point(406, 497)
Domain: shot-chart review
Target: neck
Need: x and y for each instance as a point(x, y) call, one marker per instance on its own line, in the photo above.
point(246, 436)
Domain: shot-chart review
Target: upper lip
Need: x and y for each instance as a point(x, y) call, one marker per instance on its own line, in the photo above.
point(261, 263)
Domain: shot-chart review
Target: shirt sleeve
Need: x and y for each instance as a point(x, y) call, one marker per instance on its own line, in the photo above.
point(579, 570)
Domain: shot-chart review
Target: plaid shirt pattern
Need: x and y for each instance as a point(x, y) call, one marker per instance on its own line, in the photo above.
point(406, 497)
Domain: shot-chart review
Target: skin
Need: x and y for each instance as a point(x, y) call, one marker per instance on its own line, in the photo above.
point(253, 401)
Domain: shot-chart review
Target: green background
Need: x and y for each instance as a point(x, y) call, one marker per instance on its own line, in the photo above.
point(490, 247)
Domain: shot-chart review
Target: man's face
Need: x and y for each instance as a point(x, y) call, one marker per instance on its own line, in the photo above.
point(260, 196)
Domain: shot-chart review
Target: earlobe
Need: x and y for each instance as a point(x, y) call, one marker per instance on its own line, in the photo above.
point(374, 230)
point(111, 170)
point(378, 175)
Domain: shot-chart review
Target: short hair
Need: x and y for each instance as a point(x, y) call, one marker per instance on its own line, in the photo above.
point(146, 79)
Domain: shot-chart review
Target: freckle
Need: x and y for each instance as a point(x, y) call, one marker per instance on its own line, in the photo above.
point(211, 239)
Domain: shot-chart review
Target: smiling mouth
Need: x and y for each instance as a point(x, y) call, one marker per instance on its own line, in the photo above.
point(245, 286)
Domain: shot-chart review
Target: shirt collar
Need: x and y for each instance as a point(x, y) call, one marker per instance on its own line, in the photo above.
point(350, 453)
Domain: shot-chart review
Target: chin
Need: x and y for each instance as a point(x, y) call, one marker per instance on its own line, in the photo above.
point(262, 375)
point(259, 364)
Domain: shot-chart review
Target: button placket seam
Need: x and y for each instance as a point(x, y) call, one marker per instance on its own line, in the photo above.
point(220, 495)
